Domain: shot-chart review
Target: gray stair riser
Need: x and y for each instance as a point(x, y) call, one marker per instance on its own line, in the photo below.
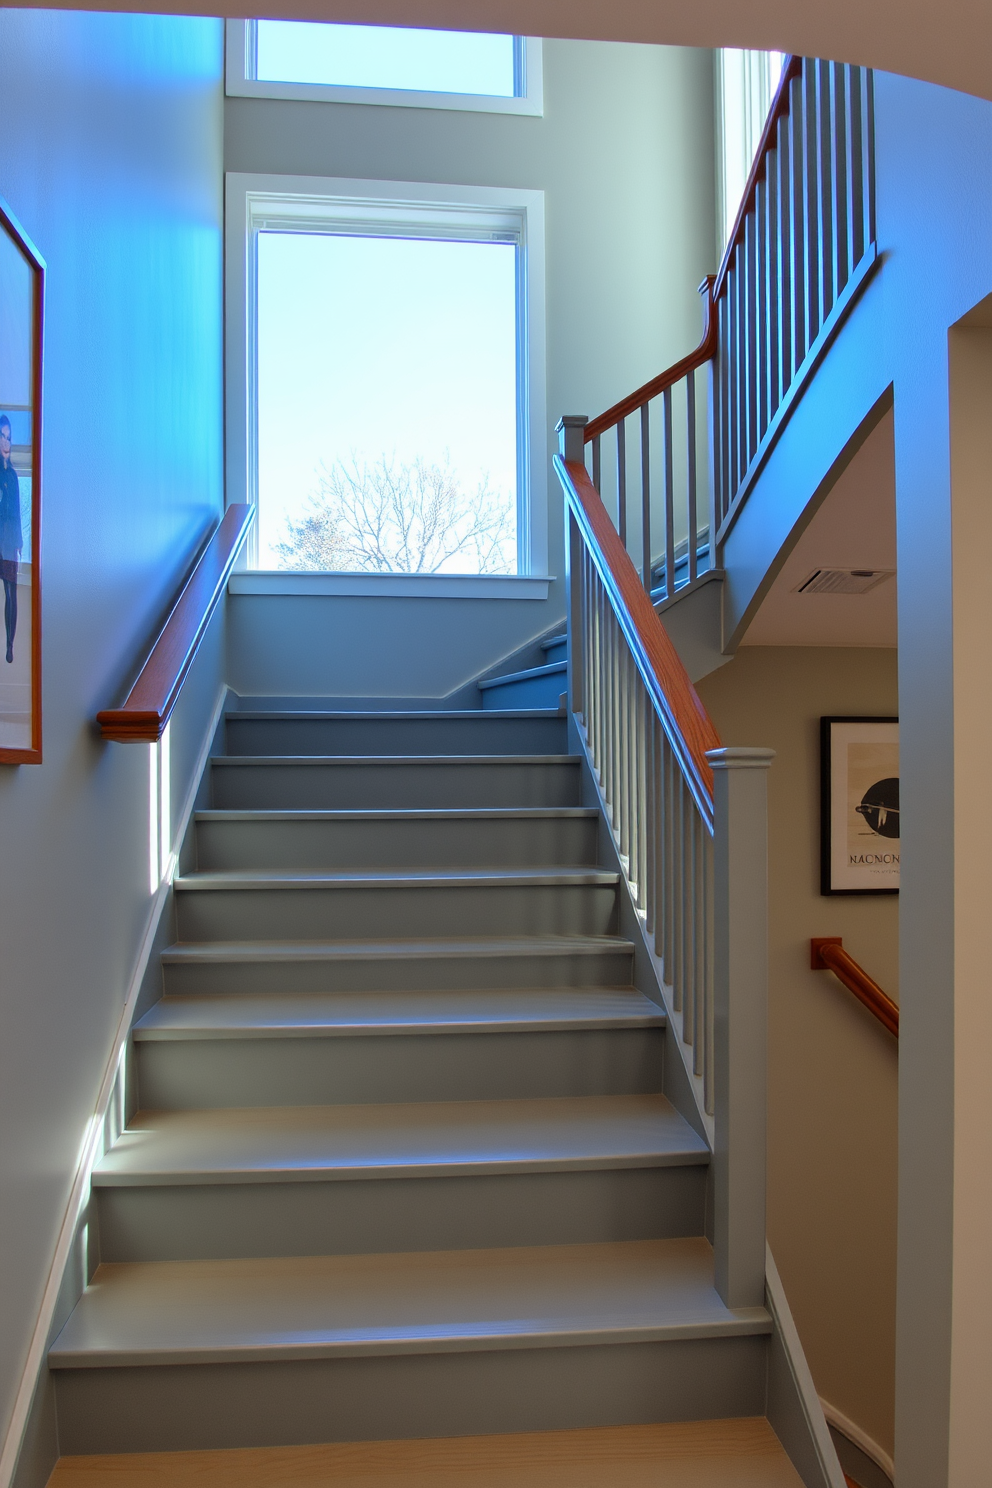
point(345, 913)
point(398, 974)
point(556, 650)
point(439, 843)
point(384, 786)
point(472, 735)
point(202, 1073)
point(185, 1407)
point(528, 692)
point(218, 1221)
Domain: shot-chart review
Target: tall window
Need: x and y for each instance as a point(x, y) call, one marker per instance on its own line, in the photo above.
point(745, 86)
point(389, 397)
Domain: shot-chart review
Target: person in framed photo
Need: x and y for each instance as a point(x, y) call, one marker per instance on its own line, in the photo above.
point(11, 537)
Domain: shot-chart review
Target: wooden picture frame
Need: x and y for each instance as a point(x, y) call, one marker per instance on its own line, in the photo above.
point(22, 309)
point(859, 805)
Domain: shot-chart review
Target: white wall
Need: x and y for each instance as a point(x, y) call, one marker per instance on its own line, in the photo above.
point(624, 153)
point(111, 158)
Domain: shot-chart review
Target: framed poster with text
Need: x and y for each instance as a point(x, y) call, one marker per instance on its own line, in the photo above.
point(859, 806)
point(22, 295)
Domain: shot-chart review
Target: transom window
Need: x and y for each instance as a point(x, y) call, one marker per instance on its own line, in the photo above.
point(384, 65)
point(389, 411)
point(387, 57)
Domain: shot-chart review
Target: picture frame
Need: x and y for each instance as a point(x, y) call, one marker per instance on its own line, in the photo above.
point(859, 805)
point(22, 308)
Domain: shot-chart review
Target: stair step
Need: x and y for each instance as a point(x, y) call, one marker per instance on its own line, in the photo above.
point(492, 837)
point(735, 1453)
point(398, 1140)
point(407, 964)
point(249, 879)
point(321, 1307)
point(292, 1050)
point(551, 668)
point(266, 903)
point(380, 1014)
point(397, 781)
point(435, 731)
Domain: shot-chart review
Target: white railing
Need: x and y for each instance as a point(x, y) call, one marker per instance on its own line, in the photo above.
point(675, 460)
point(689, 821)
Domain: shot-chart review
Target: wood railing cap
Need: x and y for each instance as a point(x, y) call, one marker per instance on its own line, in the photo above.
point(827, 953)
point(696, 734)
point(146, 710)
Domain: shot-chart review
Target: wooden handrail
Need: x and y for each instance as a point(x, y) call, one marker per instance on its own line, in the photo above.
point(689, 726)
point(827, 953)
point(146, 709)
point(703, 353)
point(791, 68)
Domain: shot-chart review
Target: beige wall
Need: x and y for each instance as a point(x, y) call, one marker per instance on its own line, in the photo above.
point(832, 1068)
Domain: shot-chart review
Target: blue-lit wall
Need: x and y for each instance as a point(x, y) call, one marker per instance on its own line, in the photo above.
point(111, 129)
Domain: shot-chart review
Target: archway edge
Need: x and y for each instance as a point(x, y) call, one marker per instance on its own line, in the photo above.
point(939, 41)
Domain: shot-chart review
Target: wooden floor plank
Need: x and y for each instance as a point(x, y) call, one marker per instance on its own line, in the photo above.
point(704, 1454)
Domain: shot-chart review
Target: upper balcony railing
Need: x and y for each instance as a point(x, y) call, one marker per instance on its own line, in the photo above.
point(801, 248)
point(675, 460)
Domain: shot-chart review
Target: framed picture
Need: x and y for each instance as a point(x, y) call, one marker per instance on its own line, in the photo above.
point(22, 291)
point(859, 807)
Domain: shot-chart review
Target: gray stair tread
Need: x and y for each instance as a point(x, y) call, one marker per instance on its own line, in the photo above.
point(552, 641)
point(234, 761)
point(399, 1139)
point(435, 813)
point(337, 1014)
point(540, 671)
point(393, 878)
point(401, 950)
point(199, 1312)
point(432, 713)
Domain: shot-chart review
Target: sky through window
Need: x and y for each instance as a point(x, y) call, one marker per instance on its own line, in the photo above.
point(380, 353)
point(386, 57)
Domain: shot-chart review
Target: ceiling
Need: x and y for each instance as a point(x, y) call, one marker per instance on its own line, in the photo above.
point(944, 41)
point(854, 527)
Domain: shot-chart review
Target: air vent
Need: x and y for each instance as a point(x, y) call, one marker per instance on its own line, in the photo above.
point(843, 580)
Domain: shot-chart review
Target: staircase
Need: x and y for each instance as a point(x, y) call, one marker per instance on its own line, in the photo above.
point(401, 1162)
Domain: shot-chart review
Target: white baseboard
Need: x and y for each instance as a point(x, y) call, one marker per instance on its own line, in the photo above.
point(91, 1148)
point(860, 1438)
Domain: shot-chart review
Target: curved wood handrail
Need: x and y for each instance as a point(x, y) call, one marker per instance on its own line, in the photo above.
point(146, 709)
point(690, 729)
point(827, 953)
point(791, 68)
point(703, 353)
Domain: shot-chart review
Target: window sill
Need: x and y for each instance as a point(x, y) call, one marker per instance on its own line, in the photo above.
point(393, 586)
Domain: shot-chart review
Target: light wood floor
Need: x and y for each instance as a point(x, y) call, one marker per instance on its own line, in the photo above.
point(703, 1454)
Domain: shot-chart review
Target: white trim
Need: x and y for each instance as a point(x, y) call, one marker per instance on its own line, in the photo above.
point(816, 1425)
point(90, 1150)
point(859, 1438)
point(241, 83)
point(393, 585)
point(346, 204)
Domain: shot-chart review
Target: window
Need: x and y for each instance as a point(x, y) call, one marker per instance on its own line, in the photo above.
point(386, 376)
point(395, 65)
point(745, 86)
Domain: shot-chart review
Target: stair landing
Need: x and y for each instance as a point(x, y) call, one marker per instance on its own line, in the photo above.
point(742, 1453)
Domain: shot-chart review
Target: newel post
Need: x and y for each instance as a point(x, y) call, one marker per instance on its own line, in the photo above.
point(740, 995)
point(570, 429)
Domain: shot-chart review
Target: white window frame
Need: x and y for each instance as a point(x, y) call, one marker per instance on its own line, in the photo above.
point(315, 203)
point(241, 82)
